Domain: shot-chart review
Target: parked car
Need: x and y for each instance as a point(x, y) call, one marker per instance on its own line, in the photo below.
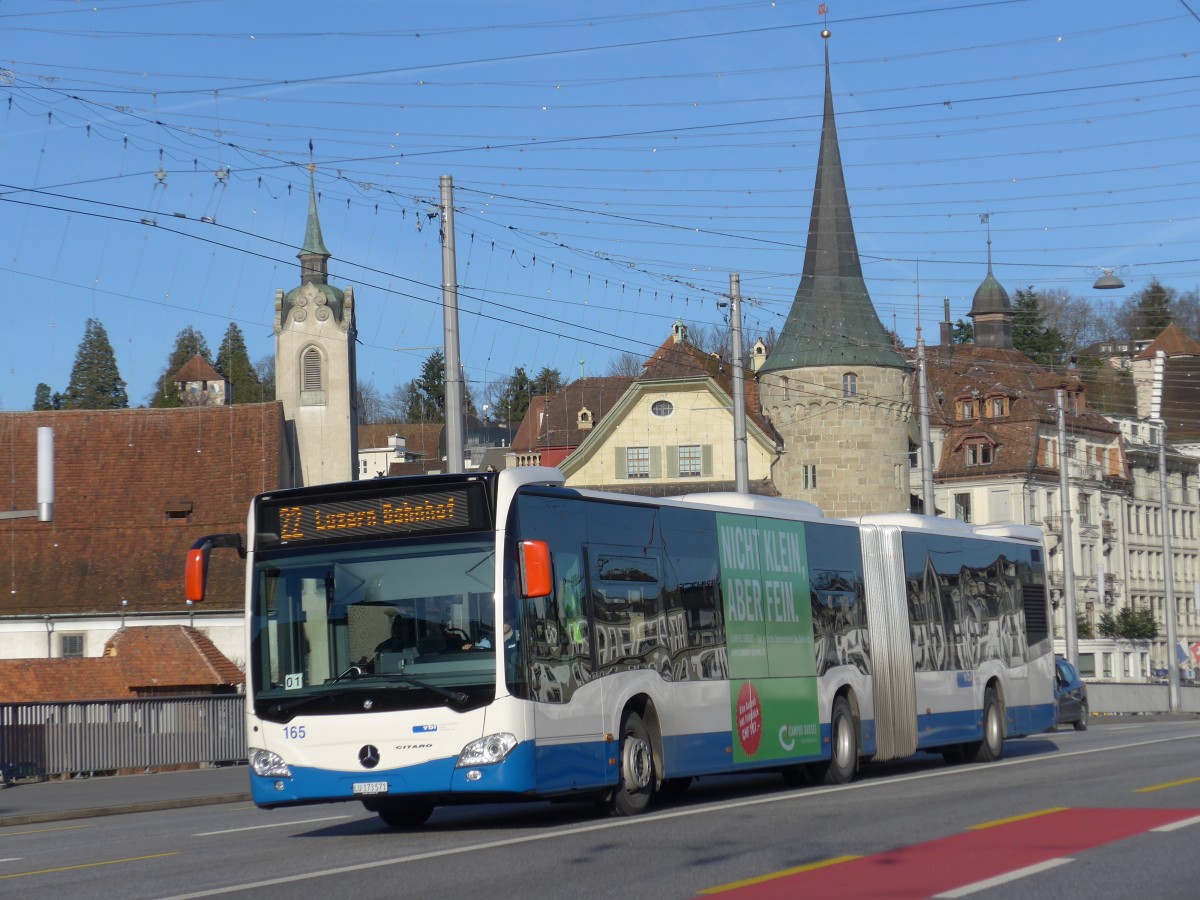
point(1070, 696)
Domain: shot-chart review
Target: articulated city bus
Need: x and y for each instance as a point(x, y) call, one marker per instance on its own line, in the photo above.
point(414, 642)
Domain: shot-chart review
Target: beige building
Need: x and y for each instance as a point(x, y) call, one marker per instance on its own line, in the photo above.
point(671, 431)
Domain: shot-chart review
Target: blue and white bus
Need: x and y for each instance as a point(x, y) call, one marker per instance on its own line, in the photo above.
point(415, 642)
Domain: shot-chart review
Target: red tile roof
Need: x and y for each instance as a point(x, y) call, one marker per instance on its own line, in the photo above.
point(133, 490)
point(138, 661)
point(552, 422)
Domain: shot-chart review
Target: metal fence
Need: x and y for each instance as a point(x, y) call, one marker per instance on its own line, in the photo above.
point(41, 739)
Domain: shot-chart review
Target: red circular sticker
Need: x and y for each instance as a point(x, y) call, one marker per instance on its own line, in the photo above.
point(749, 719)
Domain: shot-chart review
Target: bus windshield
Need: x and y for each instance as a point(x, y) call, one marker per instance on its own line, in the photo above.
point(381, 626)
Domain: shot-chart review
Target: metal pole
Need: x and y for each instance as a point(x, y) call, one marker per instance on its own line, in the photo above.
point(453, 379)
point(1168, 570)
point(928, 499)
point(741, 462)
point(1064, 488)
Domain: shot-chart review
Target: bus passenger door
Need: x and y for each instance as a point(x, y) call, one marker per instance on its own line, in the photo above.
point(568, 724)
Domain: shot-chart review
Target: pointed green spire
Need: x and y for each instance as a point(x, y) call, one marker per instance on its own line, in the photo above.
point(832, 320)
point(313, 242)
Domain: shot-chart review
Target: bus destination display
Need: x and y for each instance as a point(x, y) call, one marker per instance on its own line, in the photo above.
point(366, 517)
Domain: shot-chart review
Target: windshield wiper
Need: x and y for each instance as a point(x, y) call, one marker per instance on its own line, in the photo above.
point(456, 696)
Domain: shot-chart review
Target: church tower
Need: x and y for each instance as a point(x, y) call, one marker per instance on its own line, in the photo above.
point(834, 386)
point(315, 374)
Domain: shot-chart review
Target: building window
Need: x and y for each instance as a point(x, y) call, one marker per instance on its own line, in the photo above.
point(1085, 509)
point(997, 407)
point(978, 451)
point(70, 646)
point(691, 462)
point(637, 462)
point(662, 408)
point(962, 507)
point(964, 408)
point(810, 477)
point(849, 385)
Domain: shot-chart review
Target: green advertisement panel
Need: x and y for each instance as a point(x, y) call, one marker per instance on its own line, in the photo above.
point(768, 629)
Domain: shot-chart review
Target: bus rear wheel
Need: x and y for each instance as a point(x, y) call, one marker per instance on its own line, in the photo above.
point(843, 747)
point(636, 760)
point(991, 748)
point(412, 814)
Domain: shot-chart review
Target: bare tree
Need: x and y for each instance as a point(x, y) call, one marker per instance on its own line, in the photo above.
point(628, 364)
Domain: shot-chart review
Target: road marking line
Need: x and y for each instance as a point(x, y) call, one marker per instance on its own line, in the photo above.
point(43, 830)
point(12, 859)
point(1020, 818)
point(107, 862)
point(1175, 826)
point(272, 825)
point(653, 819)
point(968, 889)
point(783, 873)
point(1165, 785)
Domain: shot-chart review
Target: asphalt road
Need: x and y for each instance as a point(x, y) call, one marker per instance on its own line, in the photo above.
point(1111, 812)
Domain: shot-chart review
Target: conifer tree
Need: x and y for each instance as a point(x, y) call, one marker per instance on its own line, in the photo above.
point(95, 381)
point(188, 343)
point(43, 398)
point(233, 362)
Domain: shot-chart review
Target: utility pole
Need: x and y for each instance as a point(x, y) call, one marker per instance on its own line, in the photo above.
point(741, 463)
point(453, 378)
point(1064, 488)
point(1164, 501)
point(928, 500)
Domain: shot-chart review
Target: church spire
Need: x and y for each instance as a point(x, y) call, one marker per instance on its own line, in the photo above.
point(832, 320)
point(991, 310)
point(314, 258)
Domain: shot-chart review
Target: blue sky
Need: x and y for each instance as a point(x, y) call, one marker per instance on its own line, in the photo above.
point(613, 164)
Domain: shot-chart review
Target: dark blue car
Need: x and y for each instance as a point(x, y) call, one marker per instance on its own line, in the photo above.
point(1070, 696)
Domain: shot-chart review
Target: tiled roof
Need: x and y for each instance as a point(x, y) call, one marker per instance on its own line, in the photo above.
point(552, 422)
point(197, 369)
point(133, 490)
point(138, 661)
point(1173, 342)
point(969, 371)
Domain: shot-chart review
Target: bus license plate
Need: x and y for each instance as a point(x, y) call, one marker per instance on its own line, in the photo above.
point(370, 787)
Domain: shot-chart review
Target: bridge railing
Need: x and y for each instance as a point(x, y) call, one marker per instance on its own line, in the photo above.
point(43, 739)
point(1104, 698)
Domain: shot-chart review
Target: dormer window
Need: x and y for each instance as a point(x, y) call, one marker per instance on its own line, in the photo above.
point(996, 406)
point(978, 450)
point(584, 419)
point(964, 408)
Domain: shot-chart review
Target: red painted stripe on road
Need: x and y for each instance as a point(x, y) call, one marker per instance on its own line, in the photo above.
point(923, 870)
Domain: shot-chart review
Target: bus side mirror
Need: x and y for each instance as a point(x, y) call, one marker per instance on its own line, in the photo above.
point(537, 572)
point(195, 573)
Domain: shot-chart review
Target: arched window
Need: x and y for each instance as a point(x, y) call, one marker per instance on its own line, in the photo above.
point(310, 370)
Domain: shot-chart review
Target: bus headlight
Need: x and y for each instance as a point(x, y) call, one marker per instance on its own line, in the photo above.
point(268, 764)
point(486, 751)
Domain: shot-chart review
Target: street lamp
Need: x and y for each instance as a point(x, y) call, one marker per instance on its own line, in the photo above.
point(1108, 281)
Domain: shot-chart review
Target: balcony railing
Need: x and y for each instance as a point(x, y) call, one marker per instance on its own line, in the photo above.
point(1053, 524)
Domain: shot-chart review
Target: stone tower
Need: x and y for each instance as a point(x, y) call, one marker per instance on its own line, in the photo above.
point(315, 374)
point(834, 386)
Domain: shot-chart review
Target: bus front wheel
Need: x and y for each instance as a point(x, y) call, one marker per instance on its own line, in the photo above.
point(403, 815)
point(636, 758)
